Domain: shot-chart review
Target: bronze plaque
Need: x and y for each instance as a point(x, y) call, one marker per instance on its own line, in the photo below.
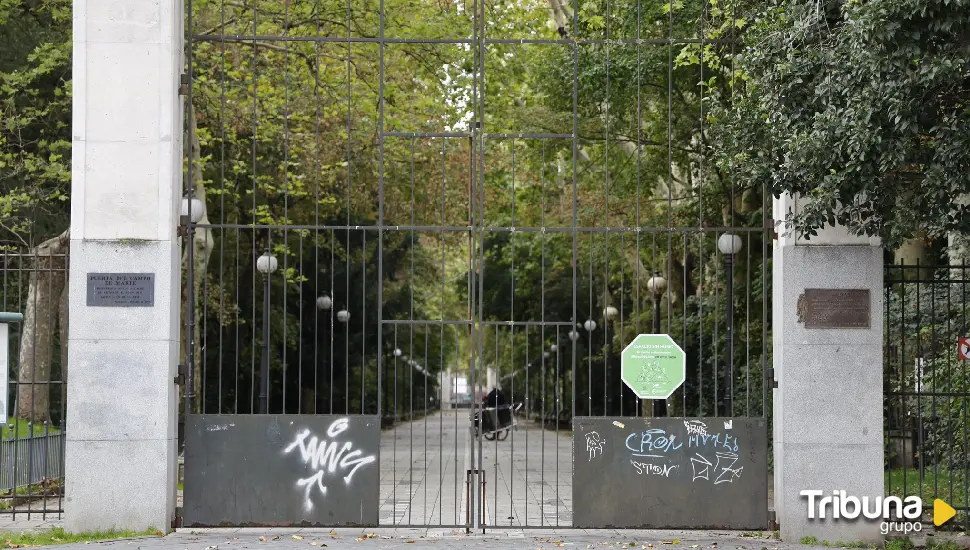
point(835, 308)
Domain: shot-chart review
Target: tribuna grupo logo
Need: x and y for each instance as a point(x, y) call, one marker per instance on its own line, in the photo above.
point(898, 515)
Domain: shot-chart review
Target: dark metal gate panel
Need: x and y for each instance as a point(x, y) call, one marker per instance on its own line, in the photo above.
point(691, 473)
point(927, 386)
point(281, 470)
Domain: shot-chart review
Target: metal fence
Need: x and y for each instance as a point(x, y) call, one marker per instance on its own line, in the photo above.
point(34, 460)
point(32, 431)
point(927, 385)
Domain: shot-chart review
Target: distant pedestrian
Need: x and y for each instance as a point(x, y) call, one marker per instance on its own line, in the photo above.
point(495, 398)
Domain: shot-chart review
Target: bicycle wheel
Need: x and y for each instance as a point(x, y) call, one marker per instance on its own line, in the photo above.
point(503, 435)
point(490, 436)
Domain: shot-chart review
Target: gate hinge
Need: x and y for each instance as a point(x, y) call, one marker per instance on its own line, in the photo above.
point(770, 227)
point(177, 520)
point(773, 521)
point(770, 378)
point(183, 84)
point(180, 379)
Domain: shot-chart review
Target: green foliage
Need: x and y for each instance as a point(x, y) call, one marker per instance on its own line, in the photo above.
point(809, 540)
point(35, 107)
point(859, 106)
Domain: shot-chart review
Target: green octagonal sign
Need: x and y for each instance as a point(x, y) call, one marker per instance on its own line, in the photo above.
point(653, 366)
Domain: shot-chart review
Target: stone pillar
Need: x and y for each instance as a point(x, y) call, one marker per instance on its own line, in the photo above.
point(828, 409)
point(126, 170)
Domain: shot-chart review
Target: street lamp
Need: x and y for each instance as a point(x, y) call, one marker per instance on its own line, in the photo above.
point(573, 335)
point(343, 315)
point(266, 264)
point(657, 285)
point(729, 244)
point(610, 313)
point(196, 211)
point(324, 303)
point(589, 325)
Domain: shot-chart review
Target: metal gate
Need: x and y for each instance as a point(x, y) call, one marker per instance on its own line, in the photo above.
point(398, 207)
point(927, 386)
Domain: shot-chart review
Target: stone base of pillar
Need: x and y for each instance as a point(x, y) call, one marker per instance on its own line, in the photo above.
point(828, 407)
point(121, 463)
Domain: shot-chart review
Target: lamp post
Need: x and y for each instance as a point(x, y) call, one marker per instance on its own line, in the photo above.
point(387, 395)
point(729, 244)
point(324, 303)
point(657, 285)
point(610, 313)
point(590, 326)
point(266, 264)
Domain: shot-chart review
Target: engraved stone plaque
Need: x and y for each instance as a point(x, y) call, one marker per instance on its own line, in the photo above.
point(834, 308)
point(121, 290)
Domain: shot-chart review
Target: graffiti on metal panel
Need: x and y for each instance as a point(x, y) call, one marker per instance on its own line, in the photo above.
point(330, 459)
point(712, 457)
point(594, 444)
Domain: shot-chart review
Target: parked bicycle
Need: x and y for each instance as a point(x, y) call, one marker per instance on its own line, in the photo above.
point(496, 422)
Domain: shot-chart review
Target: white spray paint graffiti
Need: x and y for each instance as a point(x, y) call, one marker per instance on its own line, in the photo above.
point(326, 457)
point(723, 473)
point(594, 444)
point(695, 427)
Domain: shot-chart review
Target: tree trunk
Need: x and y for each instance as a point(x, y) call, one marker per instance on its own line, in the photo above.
point(202, 245)
point(47, 282)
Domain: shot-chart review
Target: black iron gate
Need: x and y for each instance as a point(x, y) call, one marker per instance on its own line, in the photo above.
point(398, 206)
point(927, 385)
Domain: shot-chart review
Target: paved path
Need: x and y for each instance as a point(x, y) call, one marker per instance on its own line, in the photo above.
point(424, 466)
point(441, 539)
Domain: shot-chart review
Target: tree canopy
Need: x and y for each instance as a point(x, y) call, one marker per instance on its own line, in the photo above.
point(860, 107)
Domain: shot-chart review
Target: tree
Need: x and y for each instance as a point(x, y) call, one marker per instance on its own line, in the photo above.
point(35, 144)
point(860, 107)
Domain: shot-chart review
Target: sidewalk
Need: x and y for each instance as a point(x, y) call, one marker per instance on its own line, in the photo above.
point(445, 539)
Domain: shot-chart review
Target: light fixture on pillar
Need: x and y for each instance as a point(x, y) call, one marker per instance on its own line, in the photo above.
point(191, 210)
point(729, 244)
point(589, 325)
point(554, 348)
point(343, 315)
point(573, 335)
point(266, 264)
point(324, 303)
point(397, 352)
point(610, 313)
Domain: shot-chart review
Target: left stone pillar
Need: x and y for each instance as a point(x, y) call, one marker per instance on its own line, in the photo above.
point(121, 431)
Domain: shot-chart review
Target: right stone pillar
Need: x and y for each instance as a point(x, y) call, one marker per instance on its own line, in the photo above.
point(828, 363)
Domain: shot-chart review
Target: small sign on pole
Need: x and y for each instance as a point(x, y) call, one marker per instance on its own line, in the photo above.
point(653, 366)
point(964, 347)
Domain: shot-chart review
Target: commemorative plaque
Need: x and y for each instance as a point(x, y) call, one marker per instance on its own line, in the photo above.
point(834, 308)
point(121, 289)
